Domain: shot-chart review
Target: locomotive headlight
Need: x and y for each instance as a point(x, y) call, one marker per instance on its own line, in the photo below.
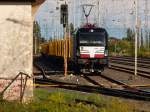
point(106, 52)
point(91, 30)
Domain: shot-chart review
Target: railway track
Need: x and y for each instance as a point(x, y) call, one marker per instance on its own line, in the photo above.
point(126, 64)
point(94, 89)
point(143, 63)
point(130, 58)
point(102, 81)
point(113, 88)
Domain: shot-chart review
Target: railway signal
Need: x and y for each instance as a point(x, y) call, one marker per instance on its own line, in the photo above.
point(64, 14)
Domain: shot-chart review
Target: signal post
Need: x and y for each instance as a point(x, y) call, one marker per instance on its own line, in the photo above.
point(64, 21)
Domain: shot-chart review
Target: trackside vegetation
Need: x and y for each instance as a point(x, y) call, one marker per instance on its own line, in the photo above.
point(60, 101)
point(126, 45)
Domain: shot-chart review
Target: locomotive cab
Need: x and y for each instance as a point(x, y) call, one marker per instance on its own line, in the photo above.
point(91, 49)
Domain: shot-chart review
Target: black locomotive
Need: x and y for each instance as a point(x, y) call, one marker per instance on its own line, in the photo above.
point(87, 50)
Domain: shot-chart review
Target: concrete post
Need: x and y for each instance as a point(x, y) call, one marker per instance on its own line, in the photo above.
point(16, 45)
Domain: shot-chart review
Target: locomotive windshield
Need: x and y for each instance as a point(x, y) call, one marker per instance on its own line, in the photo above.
point(92, 38)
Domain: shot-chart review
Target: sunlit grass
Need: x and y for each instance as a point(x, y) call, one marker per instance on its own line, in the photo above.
point(61, 101)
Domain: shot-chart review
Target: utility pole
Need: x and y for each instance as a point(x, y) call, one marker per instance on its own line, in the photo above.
point(74, 15)
point(146, 24)
point(65, 52)
point(98, 12)
point(35, 40)
point(136, 34)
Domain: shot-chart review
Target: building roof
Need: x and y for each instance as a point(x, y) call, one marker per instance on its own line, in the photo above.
point(37, 2)
point(36, 5)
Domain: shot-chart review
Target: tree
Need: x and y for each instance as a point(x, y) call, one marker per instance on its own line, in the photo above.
point(36, 30)
point(130, 35)
point(36, 37)
point(142, 40)
point(71, 28)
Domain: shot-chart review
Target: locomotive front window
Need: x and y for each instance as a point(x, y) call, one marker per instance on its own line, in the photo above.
point(92, 39)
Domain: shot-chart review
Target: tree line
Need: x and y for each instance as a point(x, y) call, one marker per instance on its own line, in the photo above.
point(126, 45)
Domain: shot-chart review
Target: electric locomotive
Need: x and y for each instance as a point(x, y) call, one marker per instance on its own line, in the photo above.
point(90, 49)
point(87, 50)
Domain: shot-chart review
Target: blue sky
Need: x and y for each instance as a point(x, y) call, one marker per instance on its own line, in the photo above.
point(115, 15)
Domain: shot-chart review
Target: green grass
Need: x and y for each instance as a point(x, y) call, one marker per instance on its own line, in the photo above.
point(61, 101)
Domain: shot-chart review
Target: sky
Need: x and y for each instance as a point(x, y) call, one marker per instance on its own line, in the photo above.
point(114, 15)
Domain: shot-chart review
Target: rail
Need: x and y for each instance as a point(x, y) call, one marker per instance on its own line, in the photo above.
point(127, 91)
point(126, 64)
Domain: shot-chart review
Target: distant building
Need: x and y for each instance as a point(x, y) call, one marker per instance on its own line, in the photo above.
point(113, 39)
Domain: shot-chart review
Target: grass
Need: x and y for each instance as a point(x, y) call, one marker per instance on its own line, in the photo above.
point(61, 101)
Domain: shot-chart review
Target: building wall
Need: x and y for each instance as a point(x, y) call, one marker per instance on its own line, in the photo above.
point(16, 41)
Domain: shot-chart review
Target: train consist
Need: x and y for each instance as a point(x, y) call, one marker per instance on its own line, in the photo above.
point(87, 50)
